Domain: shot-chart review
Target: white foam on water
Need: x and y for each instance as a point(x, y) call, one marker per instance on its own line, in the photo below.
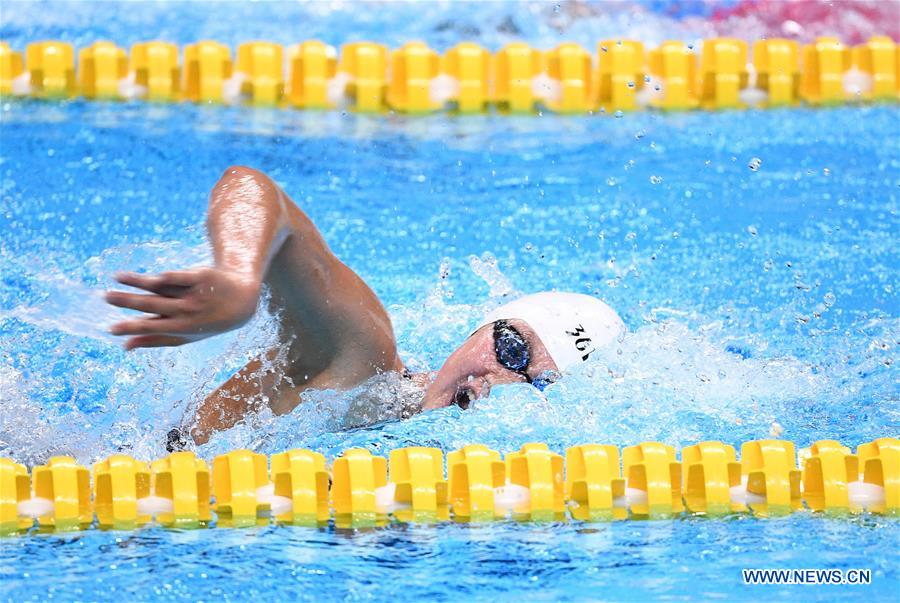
point(740, 494)
point(442, 89)
point(864, 495)
point(35, 507)
point(386, 499)
point(511, 498)
point(154, 505)
point(278, 504)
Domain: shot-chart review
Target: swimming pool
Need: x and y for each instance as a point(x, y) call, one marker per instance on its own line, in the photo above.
point(758, 300)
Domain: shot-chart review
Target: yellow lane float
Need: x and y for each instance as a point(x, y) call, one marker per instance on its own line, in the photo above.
point(516, 67)
point(466, 68)
point(11, 70)
point(259, 74)
point(710, 473)
point(300, 476)
point(313, 66)
point(155, 71)
point(534, 483)
point(467, 78)
point(51, 69)
point(595, 488)
point(363, 66)
point(101, 68)
point(723, 73)
point(672, 85)
point(207, 67)
point(776, 64)
point(620, 74)
point(420, 490)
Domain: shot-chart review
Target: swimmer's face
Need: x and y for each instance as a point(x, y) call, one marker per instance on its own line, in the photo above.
point(470, 372)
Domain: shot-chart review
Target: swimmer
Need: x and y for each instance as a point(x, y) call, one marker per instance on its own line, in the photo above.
point(334, 331)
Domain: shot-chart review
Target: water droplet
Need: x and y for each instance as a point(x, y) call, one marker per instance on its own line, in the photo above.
point(688, 194)
point(618, 113)
point(529, 246)
point(826, 172)
point(829, 299)
point(603, 48)
point(647, 79)
point(752, 230)
point(655, 179)
point(630, 84)
point(755, 163)
point(639, 134)
point(611, 181)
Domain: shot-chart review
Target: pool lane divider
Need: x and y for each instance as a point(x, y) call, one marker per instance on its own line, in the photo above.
point(536, 484)
point(621, 75)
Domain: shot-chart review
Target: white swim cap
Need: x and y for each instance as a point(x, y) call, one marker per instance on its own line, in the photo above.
point(570, 325)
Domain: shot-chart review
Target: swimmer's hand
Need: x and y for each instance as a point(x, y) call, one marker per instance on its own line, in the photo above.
point(183, 306)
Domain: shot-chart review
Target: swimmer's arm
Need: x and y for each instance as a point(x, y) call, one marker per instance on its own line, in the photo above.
point(336, 332)
point(247, 224)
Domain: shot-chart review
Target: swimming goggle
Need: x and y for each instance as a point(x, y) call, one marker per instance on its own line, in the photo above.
point(514, 353)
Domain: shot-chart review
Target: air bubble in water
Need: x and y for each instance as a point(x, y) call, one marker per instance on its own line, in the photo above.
point(655, 179)
point(752, 230)
point(611, 181)
point(755, 163)
point(829, 299)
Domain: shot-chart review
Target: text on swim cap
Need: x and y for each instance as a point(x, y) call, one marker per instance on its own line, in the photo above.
point(582, 341)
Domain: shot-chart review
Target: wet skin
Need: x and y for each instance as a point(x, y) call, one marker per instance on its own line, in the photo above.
point(334, 331)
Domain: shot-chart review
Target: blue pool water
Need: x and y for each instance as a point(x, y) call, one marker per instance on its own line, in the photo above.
point(758, 301)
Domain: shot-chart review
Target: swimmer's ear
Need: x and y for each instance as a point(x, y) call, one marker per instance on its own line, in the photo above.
point(175, 441)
